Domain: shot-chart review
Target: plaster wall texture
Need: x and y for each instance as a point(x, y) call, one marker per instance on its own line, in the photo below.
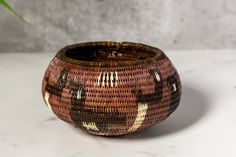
point(168, 24)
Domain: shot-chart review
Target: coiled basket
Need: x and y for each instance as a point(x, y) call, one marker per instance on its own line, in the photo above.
point(111, 88)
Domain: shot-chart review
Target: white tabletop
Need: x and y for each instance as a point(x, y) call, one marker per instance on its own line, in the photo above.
point(204, 125)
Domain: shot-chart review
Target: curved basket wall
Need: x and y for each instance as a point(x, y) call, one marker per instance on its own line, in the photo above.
point(111, 88)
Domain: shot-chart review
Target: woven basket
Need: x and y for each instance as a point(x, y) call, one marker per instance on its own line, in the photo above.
point(111, 88)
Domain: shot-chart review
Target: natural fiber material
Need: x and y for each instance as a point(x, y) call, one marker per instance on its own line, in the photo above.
point(111, 88)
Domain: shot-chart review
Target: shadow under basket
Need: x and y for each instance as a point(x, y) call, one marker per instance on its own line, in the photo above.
point(111, 88)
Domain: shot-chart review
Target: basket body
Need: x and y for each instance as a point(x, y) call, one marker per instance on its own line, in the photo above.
point(114, 97)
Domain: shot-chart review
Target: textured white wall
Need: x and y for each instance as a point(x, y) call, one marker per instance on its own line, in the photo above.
point(168, 24)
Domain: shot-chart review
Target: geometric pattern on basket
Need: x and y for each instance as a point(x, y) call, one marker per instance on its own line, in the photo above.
point(116, 99)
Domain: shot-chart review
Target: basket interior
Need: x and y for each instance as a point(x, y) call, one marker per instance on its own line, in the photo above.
point(98, 53)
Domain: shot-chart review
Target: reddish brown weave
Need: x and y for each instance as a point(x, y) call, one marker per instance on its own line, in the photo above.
point(111, 88)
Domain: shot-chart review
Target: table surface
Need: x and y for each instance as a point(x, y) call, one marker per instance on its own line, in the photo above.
point(204, 125)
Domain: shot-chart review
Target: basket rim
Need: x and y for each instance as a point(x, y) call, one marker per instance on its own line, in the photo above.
point(159, 54)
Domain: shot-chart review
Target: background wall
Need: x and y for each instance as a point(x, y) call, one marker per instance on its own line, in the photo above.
point(169, 24)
